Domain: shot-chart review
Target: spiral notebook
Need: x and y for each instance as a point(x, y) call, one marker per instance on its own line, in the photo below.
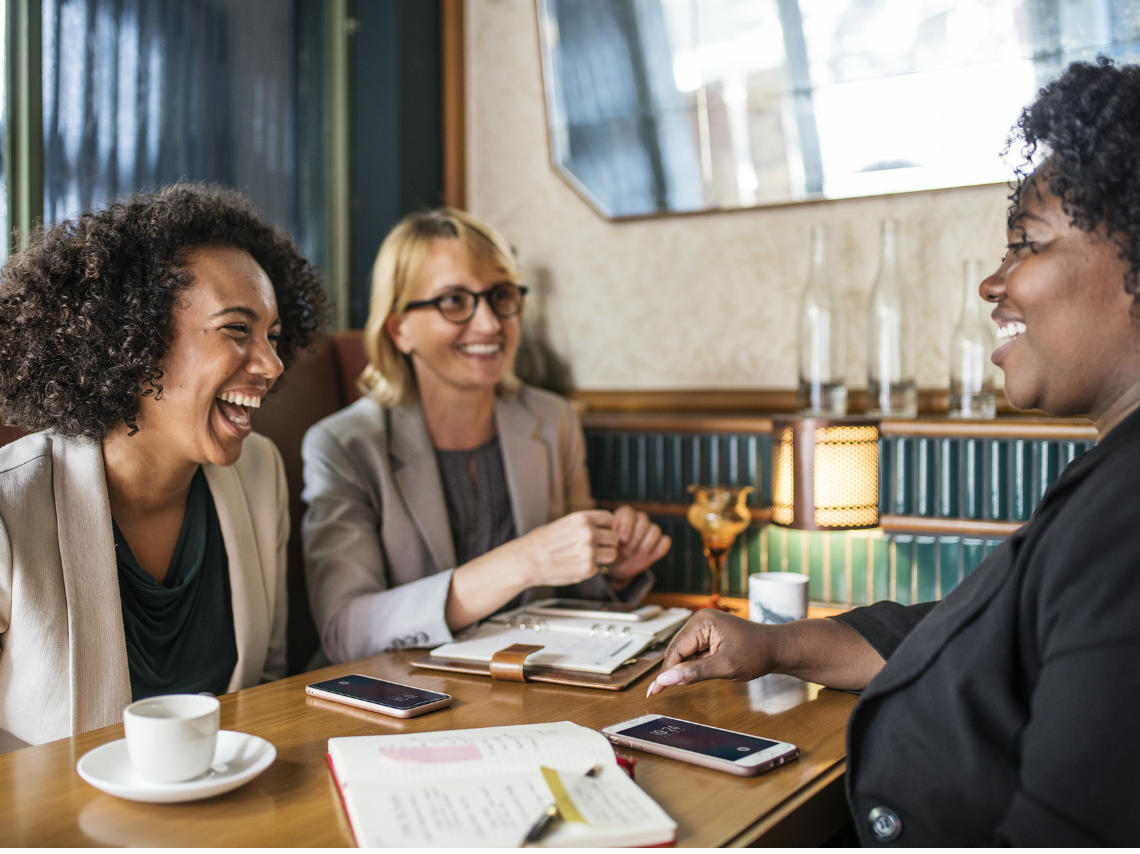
point(573, 651)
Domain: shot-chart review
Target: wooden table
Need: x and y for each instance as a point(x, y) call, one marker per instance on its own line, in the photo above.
point(43, 802)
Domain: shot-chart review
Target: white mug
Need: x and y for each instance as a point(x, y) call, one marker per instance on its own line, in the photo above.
point(172, 737)
point(777, 597)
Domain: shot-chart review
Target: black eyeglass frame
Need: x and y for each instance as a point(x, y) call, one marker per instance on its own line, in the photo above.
point(488, 295)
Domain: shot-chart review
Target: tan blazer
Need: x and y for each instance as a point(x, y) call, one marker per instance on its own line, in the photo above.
point(63, 659)
point(378, 545)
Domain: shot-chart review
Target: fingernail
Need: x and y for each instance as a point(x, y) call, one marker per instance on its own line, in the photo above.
point(649, 690)
point(672, 676)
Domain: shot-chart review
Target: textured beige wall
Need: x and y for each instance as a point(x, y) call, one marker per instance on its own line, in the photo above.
point(705, 301)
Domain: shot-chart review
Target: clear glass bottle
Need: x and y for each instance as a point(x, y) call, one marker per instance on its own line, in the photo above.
point(971, 343)
point(822, 365)
point(890, 353)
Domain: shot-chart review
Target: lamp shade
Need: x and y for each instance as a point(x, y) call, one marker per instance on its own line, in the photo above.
point(825, 473)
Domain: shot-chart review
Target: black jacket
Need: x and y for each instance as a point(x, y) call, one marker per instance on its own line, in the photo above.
point(1009, 713)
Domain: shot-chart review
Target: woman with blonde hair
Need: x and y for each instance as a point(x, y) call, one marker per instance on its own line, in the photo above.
point(452, 490)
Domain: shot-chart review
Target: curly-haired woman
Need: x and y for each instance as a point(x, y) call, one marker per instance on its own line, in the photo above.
point(1008, 713)
point(143, 530)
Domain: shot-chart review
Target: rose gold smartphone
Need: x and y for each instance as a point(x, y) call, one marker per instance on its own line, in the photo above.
point(710, 746)
point(379, 695)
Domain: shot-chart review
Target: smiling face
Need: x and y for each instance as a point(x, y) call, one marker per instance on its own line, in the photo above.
point(221, 362)
point(1068, 332)
point(448, 357)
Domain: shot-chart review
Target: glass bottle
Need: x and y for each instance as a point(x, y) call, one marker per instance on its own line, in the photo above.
point(822, 369)
point(971, 343)
point(890, 355)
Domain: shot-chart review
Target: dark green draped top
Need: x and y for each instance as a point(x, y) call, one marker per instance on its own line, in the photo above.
point(180, 634)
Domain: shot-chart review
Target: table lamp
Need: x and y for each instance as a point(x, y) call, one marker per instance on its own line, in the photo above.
point(825, 473)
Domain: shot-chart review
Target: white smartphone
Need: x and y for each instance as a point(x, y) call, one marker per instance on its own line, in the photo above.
point(593, 610)
point(379, 695)
point(710, 746)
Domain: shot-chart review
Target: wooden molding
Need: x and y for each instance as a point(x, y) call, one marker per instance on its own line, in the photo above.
point(660, 422)
point(767, 401)
point(677, 509)
point(696, 601)
point(704, 401)
point(1000, 428)
point(891, 524)
point(952, 527)
point(454, 103)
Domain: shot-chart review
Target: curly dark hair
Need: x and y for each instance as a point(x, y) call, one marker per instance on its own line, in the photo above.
point(86, 309)
point(1088, 123)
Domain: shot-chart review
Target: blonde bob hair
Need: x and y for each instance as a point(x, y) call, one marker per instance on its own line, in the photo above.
point(389, 378)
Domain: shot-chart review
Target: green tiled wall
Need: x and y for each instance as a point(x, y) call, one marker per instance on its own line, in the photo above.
point(659, 466)
point(995, 479)
point(988, 479)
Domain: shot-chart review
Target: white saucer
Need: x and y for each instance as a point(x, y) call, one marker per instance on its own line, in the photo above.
point(239, 758)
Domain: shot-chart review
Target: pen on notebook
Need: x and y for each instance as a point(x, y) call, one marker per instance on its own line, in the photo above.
point(551, 814)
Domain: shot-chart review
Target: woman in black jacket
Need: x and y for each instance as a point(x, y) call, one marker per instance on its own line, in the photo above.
point(1009, 713)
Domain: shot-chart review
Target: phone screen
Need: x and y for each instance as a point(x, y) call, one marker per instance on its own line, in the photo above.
point(696, 738)
point(588, 605)
point(388, 694)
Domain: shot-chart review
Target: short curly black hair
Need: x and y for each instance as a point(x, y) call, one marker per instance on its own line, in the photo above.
point(1087, 123)
point(86, 309)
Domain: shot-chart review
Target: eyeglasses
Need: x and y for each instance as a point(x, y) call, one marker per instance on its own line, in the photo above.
point(459, 304)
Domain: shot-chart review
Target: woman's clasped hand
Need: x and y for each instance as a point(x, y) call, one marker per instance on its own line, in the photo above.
point(620, 545)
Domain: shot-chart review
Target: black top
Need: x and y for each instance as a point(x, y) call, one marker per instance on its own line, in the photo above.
point(1009, 713)
point(180, 634)
point(478, 503)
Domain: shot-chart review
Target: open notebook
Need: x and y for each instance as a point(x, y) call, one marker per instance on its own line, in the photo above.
point(568, 643)
point(488, 786)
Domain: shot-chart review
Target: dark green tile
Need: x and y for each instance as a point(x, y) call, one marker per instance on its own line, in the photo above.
point(973, 553)
point(992, 544)
point(639, 466)
point(777, 547)
point(657, 469)
point(947, 499)
point(711, 464)
point(625, 466)
point(882, 568)
point(1020, 479)
point(886, 473)
point(812, 552)
point(971, 478)
point(995, 476)
point(836, 545)
point(904, 567)
point(902, 499)
point(677, 480)
point(949, 564)
point(859, 570)
point(924, 476)
point(756, 547)
point(926, 567)
point(795, 550)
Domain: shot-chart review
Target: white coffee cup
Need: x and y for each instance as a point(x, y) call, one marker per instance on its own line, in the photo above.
point(777, 597)
point(172, 737)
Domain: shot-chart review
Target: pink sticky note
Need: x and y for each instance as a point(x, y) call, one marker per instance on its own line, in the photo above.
point(442, 753)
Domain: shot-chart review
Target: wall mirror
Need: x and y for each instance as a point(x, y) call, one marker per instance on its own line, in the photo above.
point(677, 106)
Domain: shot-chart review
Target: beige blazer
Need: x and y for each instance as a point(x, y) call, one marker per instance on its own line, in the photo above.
point(377, 541)
point(63, 659)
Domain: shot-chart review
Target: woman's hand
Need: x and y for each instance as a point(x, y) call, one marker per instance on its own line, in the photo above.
point(714, 645)
point(640, 544)
point(570, 549)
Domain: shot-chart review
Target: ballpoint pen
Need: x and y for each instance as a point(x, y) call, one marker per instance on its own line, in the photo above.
point(551, 814)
